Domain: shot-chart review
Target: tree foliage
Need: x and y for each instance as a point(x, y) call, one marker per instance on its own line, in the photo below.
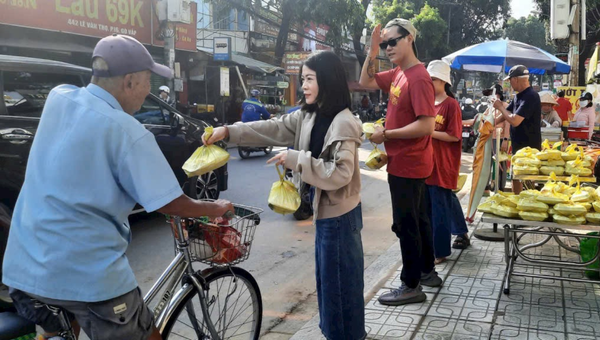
point(529, 30)
point(431, 43)
point(467, 22)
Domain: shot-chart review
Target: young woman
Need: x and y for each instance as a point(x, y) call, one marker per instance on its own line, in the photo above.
point(446, 213)
point(326, 136)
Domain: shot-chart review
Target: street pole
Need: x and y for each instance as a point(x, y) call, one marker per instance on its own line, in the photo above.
point(169, 51)
point(574, 45)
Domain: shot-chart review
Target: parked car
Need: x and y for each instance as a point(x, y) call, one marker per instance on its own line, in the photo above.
point(25, 84)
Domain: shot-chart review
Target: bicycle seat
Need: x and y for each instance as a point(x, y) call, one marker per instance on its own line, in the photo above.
point(13, 326)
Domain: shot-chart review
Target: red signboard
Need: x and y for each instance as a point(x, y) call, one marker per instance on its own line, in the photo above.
point(97, 18)
point(319, 32)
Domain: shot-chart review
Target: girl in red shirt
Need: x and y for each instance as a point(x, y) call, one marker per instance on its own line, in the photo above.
point(446, 213)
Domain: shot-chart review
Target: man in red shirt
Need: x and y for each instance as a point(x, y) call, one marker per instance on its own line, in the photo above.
point(410, 122)
point(564, 108)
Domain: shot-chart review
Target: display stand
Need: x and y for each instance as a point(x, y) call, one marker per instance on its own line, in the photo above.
point(515, 247)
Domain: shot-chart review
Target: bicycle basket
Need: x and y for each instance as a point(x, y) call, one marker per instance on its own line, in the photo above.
point(221, 244)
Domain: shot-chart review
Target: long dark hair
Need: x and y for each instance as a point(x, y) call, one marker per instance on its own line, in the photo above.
point(448, 90)
point(334, 94)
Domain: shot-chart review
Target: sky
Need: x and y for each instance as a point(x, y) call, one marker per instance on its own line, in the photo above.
point(521, 8)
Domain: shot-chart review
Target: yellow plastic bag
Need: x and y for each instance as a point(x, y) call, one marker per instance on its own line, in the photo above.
point(570, 208)
point(497, 199)
point(462, 179)
point(206, 158)
point(284, 197)
point(512, 201)
point(533, 216)
point(593, 217)
point(583, 172)
point(504, 211)
point(551, 184)
point(502, 157)
point(571, 220)
point(525, 170)
point(553, 162)
point(369, 128)
point(553, 197)
point(587, 205)
point(485, 207)
point(596, 206)
point(530, 193)
point(579, 162)
point(577, 167)
point(579, 195)
point(525, 152)
point(530, 204)
point(528, 161)
point(550, 153)
point(376, 158)
point(571, 153)
point(547, 170)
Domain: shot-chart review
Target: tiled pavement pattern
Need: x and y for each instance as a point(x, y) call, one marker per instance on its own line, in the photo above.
point(471, 305)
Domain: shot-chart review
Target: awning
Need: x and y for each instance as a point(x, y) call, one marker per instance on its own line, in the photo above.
point(247, 62)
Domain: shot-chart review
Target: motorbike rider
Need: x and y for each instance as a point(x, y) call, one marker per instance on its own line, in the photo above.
point(164, 94)
point(253, 109)
point(468, 111)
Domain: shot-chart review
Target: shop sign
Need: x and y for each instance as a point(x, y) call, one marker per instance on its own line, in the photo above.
point(224, 91)
point(272, 31)
point(97, 18)
point(222, 48)
point(283, 84)
point(293, 61)
point(319, 33)
point(572, 93)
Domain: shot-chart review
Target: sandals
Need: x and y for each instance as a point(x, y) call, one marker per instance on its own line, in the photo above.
point(461, 242)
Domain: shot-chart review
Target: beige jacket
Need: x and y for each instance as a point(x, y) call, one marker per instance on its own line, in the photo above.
point(335, 174)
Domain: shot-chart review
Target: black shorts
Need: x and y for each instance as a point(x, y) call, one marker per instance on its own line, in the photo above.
point(123, 317)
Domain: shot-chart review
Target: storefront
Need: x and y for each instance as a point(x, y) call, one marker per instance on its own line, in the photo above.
point(244, 74)
point(68, 32)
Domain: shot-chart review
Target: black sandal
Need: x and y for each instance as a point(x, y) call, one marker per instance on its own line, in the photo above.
point(460, 242)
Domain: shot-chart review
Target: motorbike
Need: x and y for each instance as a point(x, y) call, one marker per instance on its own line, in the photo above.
point(245, 151)
point(469, 135)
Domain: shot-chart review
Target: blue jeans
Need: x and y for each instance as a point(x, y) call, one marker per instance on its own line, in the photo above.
point(340, 276)
point(447, 219)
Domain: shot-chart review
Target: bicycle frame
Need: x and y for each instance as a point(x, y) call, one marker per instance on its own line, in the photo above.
point(170, 299)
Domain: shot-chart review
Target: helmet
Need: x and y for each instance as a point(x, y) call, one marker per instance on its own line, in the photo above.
point(469, 101)
point(254, 93)
point(164, 88)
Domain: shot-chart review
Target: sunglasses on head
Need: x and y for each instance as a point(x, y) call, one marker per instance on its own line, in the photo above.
point(392, 42)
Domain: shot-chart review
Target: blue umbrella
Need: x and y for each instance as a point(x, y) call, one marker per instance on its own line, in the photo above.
point(500, 55)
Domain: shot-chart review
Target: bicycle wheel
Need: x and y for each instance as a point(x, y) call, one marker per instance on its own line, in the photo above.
point(234, 305)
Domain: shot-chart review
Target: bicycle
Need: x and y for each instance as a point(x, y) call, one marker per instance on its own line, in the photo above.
point(228, 297)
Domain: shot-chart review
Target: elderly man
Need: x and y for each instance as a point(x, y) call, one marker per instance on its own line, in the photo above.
point(523, 113)
point(69, 234)
point(549, 116)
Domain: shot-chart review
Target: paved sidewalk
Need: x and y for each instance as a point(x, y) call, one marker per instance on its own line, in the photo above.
point(471, 305)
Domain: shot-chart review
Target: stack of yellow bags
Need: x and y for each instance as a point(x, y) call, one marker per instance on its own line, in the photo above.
point(560, 202)
point(551, 159)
